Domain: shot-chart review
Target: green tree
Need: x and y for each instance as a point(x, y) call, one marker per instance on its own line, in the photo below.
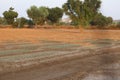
point(81, 12)
point(10, 15)
point(21, 22)
point(38, 15)
point(99, 20)
point(55, 14)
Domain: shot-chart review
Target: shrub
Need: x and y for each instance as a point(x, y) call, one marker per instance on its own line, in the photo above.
point(118, 25)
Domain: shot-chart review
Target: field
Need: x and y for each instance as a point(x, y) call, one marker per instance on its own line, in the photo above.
point(59, 54)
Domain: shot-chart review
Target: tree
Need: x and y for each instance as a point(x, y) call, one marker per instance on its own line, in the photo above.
point(55, 14)
point(99, 20)
point(38, 15)
point(81, 12)
point(21, 22)
point(10, 15)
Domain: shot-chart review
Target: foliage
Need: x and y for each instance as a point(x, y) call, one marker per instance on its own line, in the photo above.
point(38, 15)
point(2, 20)
point(30, 23)
point(10, 15)
point(81, 12)
point(101, 21)
point(15, 25)
point(118, 25)
point(21, 22)
point(109, 20)
point(55, 14)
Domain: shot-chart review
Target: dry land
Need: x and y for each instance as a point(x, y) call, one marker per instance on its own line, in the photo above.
point(59, 54)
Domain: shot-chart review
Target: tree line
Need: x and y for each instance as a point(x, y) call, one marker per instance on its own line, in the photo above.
point(84, 13)
point(37, 16)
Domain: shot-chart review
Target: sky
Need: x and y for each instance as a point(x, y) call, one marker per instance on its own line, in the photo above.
point(108, 7)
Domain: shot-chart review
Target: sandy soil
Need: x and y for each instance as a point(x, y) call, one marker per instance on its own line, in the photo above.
point(63, 35)
point(71, 58)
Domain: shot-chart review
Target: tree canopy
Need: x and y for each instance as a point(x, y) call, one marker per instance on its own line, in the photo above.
point(100, 21)
point(38, 14)
point(55, 14)
point(21, 22)
point(10, 15)
point(81, 12)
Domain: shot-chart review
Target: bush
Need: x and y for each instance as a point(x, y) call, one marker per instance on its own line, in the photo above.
point(22, 21)
point(30, 23)
point(2, 21)
point(118, 25)
point(15, 24)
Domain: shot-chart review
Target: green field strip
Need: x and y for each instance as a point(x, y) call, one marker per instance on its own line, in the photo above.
point(38, 55)
point(47, 49)
point(10, 47)
point(5, 47)
point(14, 51)
point(34, 46)
point(26, 51)
point(27, 45)
point(29, 48)
point(62, 46)
point(102, 42)
point(14, 43)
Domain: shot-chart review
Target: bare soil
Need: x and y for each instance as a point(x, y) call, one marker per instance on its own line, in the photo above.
point(59, 54)
point(62, 35)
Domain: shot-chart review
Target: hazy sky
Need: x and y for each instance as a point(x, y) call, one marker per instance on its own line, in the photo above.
point(109, 7)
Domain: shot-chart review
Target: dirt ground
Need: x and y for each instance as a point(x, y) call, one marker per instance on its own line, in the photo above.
point(59, 54)
point(63, 35)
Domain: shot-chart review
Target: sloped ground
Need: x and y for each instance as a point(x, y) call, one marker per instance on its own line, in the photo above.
point(59, 54)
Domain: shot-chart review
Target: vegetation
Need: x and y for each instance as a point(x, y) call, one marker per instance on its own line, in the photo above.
point(2, 20)
point(81, 12)
point(38, 15)
point(20, 22)
point(55, 14)
point(10, 15)
point(118, 25)
point(30, 23)
point(86, 13)
point(100, 21)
